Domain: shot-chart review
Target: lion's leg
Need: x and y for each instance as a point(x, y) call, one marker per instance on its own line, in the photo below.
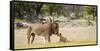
point(28, 37)
point(47, 38)
point(33, 37)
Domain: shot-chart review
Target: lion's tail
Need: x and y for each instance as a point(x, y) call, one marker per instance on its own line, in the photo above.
point(29, 34)
point(29, 30)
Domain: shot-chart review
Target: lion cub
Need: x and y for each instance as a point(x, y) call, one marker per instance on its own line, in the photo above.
point(63, 39)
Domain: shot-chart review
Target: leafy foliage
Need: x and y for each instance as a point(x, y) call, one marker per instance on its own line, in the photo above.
point(33, 11)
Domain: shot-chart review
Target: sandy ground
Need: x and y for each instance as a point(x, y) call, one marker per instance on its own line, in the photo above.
point(73, 34)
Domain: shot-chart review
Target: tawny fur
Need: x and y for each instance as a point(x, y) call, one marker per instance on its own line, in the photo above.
point(63, 39)
point(46, 30)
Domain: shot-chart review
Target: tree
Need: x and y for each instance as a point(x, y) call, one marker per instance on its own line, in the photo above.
point(90, 10)
point(31, 10)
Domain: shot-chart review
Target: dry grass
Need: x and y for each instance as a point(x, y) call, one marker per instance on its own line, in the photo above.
point(55, 44)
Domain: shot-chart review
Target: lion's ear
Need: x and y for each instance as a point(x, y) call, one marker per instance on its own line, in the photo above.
point(50, 20)
point(60, 34)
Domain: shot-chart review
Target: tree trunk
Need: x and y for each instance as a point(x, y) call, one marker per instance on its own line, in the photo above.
point(38, 9)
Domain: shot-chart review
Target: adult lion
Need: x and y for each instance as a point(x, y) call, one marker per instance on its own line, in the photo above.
point(42, 29)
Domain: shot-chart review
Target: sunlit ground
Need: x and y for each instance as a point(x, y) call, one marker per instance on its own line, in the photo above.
point(75, 35)
point(90, 42)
